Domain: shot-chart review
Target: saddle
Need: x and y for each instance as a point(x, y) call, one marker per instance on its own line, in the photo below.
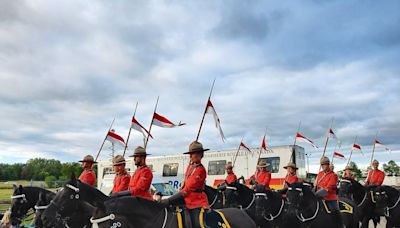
point(344, 207)
point(204, 218)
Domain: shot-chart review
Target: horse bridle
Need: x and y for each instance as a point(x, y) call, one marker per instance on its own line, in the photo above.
point(301, 217)
point(72, 197)
point(22, 196)
point(365, 193)
point(387, 209)
point(271, 217)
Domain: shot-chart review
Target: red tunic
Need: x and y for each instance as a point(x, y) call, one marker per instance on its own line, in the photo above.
point(290, 178)
point(327, 181)
point(121, 182)
point(140, 182)
point(375, 177)
point(231, 178)
point(263, 178)
point(194, 184)
point(88, 177)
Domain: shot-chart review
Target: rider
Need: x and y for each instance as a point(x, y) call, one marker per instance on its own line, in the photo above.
point(291, 176)
point(375, 176)
point(88, 176)
point(140, 182)
point(348, 174)
point(262, 177)
point(193, 186)
point(326, 185)
point(231, 177)
point(122, 178)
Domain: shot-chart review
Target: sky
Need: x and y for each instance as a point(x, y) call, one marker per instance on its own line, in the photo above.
point(67, 68)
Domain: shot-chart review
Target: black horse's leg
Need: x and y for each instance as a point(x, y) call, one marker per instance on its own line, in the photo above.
point(365, 222)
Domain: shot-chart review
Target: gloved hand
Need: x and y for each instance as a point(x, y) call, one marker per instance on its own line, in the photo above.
point(120, 194)
point(173, 200)
point(321, 193)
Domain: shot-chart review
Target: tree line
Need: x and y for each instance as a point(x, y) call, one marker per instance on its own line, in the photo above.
point(39, 169)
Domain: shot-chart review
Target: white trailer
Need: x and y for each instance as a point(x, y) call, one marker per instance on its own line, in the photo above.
point(170, 168)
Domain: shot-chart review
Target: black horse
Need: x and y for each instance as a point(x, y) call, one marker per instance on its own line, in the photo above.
point(215, 197)
point(365, 199)
point(390, 197)
point(139, 212)
point(271, 209)
point(75, 204)
point(40, 206)
point(309, 209)
point(24, 199)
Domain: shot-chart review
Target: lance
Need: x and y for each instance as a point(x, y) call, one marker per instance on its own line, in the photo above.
point(130, 129)
point(205, 111)
point(293, 157)
point(105, 138)
point(151, 124)
point(259, 155)
point(351, 152)
point(237, 152)
point(373, 148)
point(327, 138)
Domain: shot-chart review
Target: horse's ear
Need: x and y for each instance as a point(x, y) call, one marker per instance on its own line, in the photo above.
point(20, 188)
point(15, 187)
point(73, 177)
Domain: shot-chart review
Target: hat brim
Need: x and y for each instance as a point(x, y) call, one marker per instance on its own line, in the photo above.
point(262, 166)
point(88, 161)
point(328, 163)
point(119, 163)
point(285, 167)
point(348, 169)
point(139, 155)
point(197, 151)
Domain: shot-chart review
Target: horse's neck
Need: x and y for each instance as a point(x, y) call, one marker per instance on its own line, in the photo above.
point(246, 195)
point(93, 196)
point(393, 195)
point(32, 195)
point(359, 193)
point(309, 202)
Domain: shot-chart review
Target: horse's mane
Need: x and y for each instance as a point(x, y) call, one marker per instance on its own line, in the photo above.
point(89, 190)
point(126, 205)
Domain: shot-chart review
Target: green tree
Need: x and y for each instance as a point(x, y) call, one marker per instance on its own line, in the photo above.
point(391, 168)
point(50, 181)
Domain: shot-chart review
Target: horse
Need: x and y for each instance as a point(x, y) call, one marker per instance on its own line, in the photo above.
point(271, 209)
point(309, 209)
point(138, 212)
point(74, 203)
point(364, 197)
point(24, 199)
point(390, 197)
point(40, 206)
point(215, 197)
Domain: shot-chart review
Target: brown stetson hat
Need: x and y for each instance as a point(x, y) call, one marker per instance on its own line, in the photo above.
point(195, 147)
point(88, 159)
point(325, 161)
point(262, 164)
point(139, 151)
point(118, 160)
point(290, 164)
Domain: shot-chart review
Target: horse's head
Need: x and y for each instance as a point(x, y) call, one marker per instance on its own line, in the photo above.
point(262, 197)
point(346, 187)
point(64, 203)
point(19, 205)
point(231, 194)
point(298, 195)
point(40, 206)
point(381, 199)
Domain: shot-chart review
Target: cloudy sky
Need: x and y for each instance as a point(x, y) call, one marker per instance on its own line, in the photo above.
point(68, 67)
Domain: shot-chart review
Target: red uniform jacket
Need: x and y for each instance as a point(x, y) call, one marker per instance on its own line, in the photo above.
point(88, 177)
point(290, 179)
point(348, 176)
point(375, 177)
point(140, 182)
point(194, 185)
point(231, 178)
point(327, 181)
point(263, 177)
point(121, 182)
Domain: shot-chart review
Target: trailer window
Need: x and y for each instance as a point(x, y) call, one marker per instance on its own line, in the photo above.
point(170, 170)
point(216, 167)
point(273, 164)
